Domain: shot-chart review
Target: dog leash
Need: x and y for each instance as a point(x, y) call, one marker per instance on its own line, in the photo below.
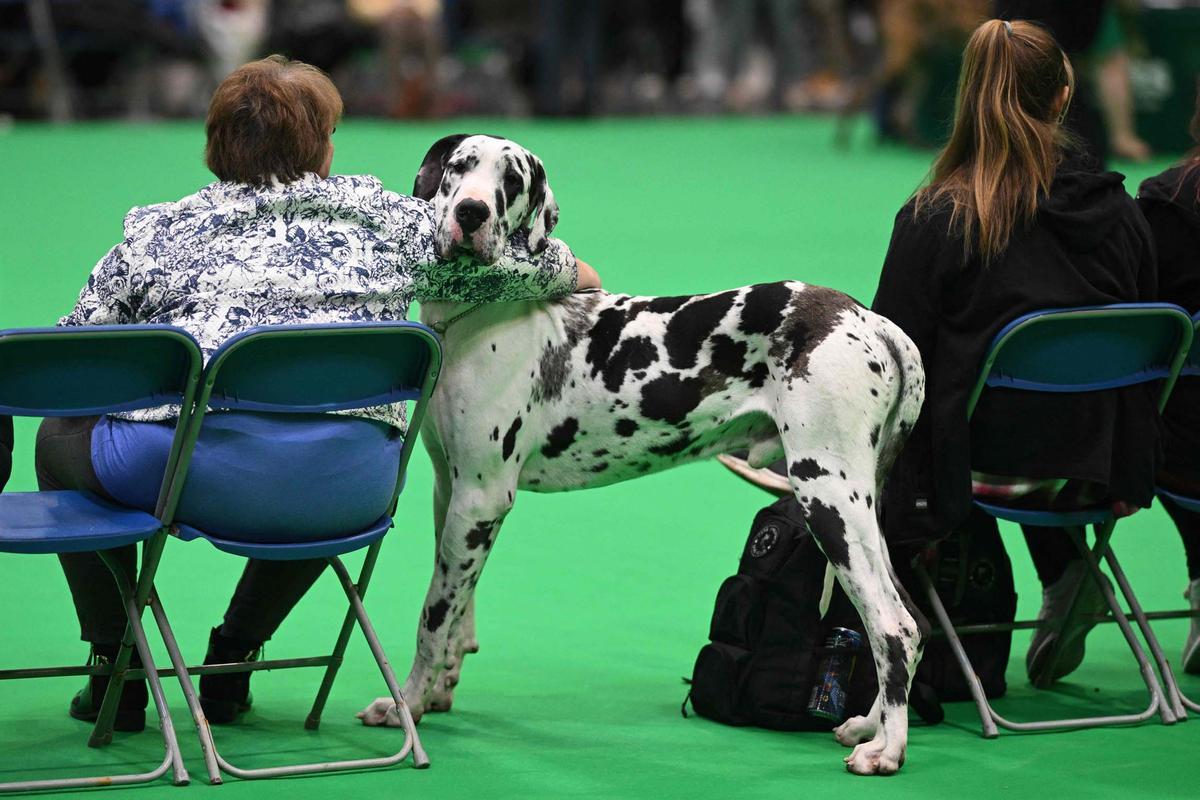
point(440, 327)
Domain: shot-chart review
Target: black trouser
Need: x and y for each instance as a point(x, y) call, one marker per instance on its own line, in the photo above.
point(1052, 550)
point(266, 593)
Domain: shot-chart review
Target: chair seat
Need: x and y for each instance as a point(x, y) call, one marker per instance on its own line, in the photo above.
point(1047, 519)
point(1183, 501)
point(69, 522)
point(291, 551)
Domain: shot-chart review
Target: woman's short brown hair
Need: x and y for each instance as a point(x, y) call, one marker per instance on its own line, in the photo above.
point(271, 118)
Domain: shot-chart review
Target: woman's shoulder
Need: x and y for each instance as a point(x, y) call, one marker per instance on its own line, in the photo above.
point(1178, 185)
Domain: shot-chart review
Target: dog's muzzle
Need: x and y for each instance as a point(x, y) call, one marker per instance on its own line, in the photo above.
point(471, 214)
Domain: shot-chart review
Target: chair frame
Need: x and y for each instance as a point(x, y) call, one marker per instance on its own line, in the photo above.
point(1166, 700)
point(135, 592)
point(215, 763)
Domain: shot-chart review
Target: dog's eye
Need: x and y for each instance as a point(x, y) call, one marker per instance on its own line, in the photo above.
point(457, 167)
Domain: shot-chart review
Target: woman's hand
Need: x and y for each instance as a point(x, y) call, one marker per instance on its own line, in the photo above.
point(588, 278)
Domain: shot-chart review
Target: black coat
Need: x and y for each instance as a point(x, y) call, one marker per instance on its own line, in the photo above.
point(1171, 204)
point(1087, 245)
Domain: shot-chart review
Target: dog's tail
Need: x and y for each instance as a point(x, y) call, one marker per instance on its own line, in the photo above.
point(907, 396)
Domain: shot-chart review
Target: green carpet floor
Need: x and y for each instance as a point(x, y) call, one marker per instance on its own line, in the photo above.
point(595, 603)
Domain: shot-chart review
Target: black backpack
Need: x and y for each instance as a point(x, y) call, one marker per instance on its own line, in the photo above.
point(767, 637)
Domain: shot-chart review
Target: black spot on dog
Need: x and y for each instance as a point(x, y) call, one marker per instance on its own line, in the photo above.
point(600, 453)
point(869, 501)
point(763, 309)
point(874, 393)
point(875, 436)
point(561, 437)
point(603, 337)
point(670, 398)
point(481, 535)
point(812, 316)
point(895, 683)
point(496, 434)
point(466, 565)
point(829, 529)
point(442, 565)
point(667, 305)
point(806, 469)
point(510, 438)
point(435, 615)
point(625, 427)
point(456, 472)
point(728, 356)
point(875, 367)
point(501, 204)
point(692, 324)
point(636, 353)
point(603, 465)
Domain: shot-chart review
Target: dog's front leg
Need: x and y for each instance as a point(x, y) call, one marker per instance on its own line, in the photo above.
point(470, 530)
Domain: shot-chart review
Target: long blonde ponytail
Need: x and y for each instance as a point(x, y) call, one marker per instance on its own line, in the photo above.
point(1007, 137)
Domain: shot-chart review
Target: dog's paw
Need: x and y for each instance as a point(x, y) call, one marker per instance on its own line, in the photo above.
point(855, 731)
point(875, 758)
point(383, 712)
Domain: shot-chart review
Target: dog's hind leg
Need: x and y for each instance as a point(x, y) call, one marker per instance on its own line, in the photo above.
point(833, 491)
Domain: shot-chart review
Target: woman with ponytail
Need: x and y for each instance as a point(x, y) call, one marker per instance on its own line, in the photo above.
point(1170, 202)
point(1012, 220)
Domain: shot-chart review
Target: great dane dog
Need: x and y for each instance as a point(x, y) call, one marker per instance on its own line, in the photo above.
point(596, 388)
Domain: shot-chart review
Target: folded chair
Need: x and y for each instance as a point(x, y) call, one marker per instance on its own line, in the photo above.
point(309, 369)
point(1080, 350)
point(1191, 369)
point(80, 372)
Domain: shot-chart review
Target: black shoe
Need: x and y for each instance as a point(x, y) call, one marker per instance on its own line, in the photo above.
point(131, 708)
point(225, 697)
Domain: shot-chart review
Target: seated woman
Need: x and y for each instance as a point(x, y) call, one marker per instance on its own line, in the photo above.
point(274, 240)
point(1014, 220)
point(1171, 204)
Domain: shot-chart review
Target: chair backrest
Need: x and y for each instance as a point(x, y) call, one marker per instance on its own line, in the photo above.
point(1088, 349)
point(319, 368)
point(80, 371)
point(1191, 367)
point(97, 369)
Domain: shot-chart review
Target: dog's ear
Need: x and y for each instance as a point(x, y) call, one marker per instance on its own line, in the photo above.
point(543, 215)
point(429, 176)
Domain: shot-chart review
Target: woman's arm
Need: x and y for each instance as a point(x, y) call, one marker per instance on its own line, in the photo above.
point(109, 297)
point(517, 275)
point(908, 288)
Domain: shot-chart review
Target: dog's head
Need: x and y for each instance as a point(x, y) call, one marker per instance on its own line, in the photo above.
point(483, 188)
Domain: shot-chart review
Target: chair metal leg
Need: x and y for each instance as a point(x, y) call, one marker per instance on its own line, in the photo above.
point(216, 762)
point(960, 655)
point(313, 721)
point(203, 730)
point(420, 759)
point(1173, 694)
point(988, 716)
point(1103, 536)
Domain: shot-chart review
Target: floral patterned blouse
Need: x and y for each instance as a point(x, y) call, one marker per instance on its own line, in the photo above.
point(336, 249)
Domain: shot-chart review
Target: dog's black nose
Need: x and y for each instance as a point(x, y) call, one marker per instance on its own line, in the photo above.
point(471, 214)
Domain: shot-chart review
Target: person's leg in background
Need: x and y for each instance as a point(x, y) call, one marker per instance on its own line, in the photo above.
point(1188, 523)
point(62, 459)
point(1061, 570)
point(265, 595)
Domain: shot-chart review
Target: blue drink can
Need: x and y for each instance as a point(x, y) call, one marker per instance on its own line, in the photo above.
point(828, 698)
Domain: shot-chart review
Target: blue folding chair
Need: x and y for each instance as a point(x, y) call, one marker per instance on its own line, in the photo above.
point(1191, 369)
point(309, 369)
point(80, 372)
point(1079, 350)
